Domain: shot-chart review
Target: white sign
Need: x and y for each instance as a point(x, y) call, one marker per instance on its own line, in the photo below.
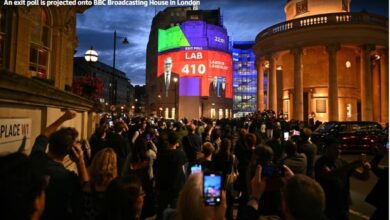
point(349, 111)
point(13, 131)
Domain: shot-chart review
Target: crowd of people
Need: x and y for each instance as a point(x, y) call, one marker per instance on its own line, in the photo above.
point(142, 168)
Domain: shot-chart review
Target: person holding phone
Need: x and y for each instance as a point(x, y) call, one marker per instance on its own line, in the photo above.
point(63, 194)
point(303, 197)
point(208, 199)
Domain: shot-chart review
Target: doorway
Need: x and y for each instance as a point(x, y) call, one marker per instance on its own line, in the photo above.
point(306, 106)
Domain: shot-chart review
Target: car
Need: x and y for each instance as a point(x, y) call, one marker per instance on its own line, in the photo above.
point(354, 136)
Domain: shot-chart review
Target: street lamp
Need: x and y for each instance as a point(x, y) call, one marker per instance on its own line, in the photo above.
point(176, 111)
point(113, 85)
point(91, 56)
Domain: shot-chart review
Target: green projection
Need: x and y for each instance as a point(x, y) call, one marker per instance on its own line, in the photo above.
point(171, 38)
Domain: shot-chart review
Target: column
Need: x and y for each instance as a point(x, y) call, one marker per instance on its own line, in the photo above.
point(260, 85)
point(272, 84)
point(333, 97)
point(384, 81)
point(376, 89)
point(366, 84)
point(298, 86)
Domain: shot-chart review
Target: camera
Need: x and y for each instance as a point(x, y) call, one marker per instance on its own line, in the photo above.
point(212, 183)
point(272, 170)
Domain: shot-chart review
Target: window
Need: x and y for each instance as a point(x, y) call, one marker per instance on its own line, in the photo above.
point(40, 43)
point(301, 7)
point(321, 106)
point(212, 113)
point(2, 36)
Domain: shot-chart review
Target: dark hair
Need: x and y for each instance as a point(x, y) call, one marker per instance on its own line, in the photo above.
point(263, 153)
point(120, 198)
point(276, 133)
point(250, 140)
point(304, 198)
point(172, 138)
point(305, 134)
point(21, 182)
point(208, 148)
point(100, 131)
point(290, 147)
point(61, 141)
point(118, 127)
point(225, 149)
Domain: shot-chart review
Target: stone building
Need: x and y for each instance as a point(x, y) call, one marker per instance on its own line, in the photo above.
point(36, 60)
point(124, 89)
point(331, 61)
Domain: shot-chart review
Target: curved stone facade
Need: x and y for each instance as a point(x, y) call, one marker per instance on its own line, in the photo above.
point(335, 65)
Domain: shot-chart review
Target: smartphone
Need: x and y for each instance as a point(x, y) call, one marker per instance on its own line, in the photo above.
point(148, 137)
point(197, 168)
point(286, 135)
point(111, 123)
point(296, 133)
point(212, 183)
point(272, 170)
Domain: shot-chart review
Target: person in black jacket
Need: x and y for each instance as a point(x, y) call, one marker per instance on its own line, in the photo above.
point(378, 196)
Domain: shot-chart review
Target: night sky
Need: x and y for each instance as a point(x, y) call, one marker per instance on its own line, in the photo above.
point(244, 19)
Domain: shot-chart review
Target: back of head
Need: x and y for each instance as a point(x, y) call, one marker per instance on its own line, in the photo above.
point(21, 182)
point(276, 134)
point(191, 209)
point(121, 197)
point(191, 128)
point(61, 141)
point(306, 134)
point(264, 154)
point(290, 148)
point(208, 149)
point(250, 140)
point(103, 168)
point(172, 138)
point(304, 197)
point(118, 127)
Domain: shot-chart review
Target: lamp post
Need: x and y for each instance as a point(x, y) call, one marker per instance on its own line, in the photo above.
point(113, 85)
point(176, 111)
point(91, 56)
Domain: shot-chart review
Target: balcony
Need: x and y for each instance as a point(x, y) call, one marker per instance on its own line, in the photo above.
point(322, 20)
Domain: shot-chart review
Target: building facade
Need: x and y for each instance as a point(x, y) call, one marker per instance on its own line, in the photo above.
point(194, 45)
point(244, 79)
point(330, 61)
point(36, 60)
point(123, 88)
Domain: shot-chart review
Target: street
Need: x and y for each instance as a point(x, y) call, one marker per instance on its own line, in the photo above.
point(359, 209)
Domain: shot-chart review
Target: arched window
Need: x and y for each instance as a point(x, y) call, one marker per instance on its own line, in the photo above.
point(40, 43)
point(3, 33)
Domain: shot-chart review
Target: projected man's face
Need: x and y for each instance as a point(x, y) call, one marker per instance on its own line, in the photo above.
point(168, 64)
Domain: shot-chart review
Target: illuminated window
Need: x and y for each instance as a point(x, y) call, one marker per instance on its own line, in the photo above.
point(173, 112)
point(226, 113)
point(301, 7)
point(166, 113)
point(220, 113)
point(212, 113)
point(2, 36)
point(40, 43)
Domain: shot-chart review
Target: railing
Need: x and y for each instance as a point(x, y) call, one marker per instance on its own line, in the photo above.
point(325, 19)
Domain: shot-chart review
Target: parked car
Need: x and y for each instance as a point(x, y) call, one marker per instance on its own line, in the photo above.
point(354, 136)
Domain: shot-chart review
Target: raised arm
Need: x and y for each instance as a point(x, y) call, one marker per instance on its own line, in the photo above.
point(68, 115)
